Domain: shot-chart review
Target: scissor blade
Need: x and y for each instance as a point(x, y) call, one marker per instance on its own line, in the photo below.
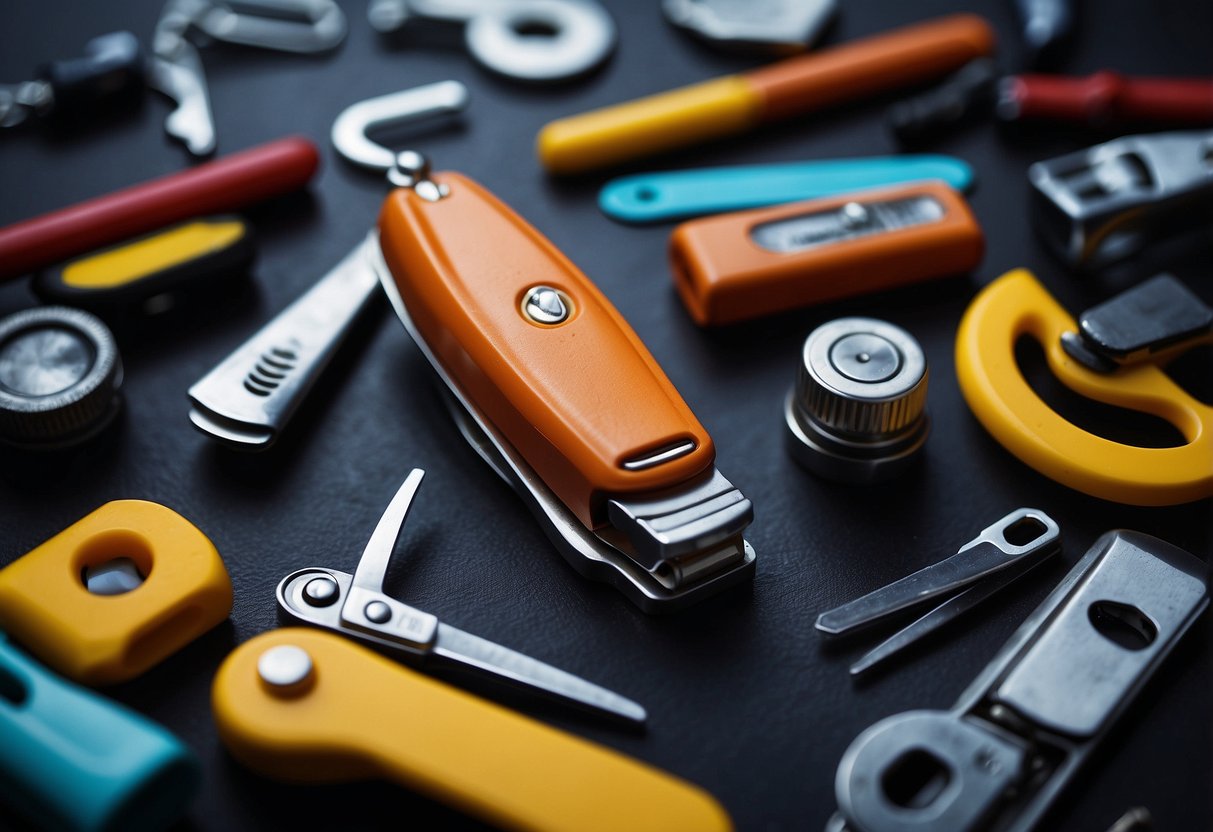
point(372, 566)
point(950, 609)
point(504, 664)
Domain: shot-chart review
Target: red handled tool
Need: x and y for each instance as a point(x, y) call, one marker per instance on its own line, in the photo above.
point(1106, 98)
point(221, 186)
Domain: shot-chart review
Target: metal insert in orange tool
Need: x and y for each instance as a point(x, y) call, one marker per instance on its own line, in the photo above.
point(115, 593)
point(305, 706)
point(737, 103)
point(735, 267)
point(579, 416)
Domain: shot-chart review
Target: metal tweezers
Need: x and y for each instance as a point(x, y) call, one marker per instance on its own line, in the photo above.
point(1002, 552)
point(355, 606)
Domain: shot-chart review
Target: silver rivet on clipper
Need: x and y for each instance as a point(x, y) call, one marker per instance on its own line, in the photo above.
point(545, 305)
point(856, 413)
point(284, 666)
point(320, 592)
point(378, 612)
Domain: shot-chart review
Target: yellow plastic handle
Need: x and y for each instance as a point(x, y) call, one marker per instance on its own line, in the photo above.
point(354, 714)
point(103, 639)
point(1015, 305)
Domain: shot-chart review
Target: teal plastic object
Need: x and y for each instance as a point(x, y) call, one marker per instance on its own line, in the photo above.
point(673, 195)
point(73, 760)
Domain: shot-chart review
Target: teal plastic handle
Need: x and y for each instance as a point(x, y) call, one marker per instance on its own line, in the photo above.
point(73, 760)
point(671, 195)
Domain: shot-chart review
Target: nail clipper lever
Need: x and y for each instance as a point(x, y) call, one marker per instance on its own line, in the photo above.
point(560, 396)
point(356, 606)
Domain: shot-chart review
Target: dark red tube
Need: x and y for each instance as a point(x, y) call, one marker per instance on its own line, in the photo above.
point(1109, 98)
point(224, 185)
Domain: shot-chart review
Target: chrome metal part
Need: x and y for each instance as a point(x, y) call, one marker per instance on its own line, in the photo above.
point(847, 222)
point(175, 69)
point(528, 40)
point(1001, 553)
point(362, 611)
point(1106, 203)
point(250, 396)
point(1036, 714)
point(284, 666)
point(546, 306)
point(764, 26)
point(116, 577)
point(857, 411)
point(592, 555)
point(350, 129)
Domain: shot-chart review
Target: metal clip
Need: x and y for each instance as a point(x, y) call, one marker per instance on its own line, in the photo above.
point(1002, 552)
point(1103, 204)
point(1034, 716)
point(528, 40)
point(247, 400)
point(303, 26)
point(1157, 316)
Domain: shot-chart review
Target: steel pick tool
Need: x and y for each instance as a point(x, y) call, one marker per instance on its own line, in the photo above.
point(356, 606)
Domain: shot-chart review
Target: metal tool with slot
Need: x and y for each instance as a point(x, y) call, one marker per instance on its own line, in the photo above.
point(368, 717)
point(115, 593)
point(527, 40)
point(73, 761)
point(1018, 735)
point(1016, 305)
point(741, 266)
point(114, 69)
point(1106, 203)
point(738, 103)
point(767, 26)
point(1003, 552)
point(672, 195)
point(247, 400)
point(355, 606)
point(554, 390)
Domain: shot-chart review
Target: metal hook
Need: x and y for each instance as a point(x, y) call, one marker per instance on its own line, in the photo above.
point(350, 128)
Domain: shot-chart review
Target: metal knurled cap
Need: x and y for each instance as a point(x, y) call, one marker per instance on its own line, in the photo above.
point(862, 377)
point(60, 374)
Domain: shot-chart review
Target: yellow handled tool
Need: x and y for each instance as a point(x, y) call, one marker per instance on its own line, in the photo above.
point(306, 706)
point(115, 593)
point(1016, 305)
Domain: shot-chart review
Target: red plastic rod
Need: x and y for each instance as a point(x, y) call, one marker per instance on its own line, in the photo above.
point(224, 185)
point(1108, 98)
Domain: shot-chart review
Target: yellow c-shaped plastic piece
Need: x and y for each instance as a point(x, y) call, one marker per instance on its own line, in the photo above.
point(357, 715)
point(1015, 305)
point(102, 639)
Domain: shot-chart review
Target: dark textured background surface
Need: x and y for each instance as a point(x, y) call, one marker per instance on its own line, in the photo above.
point(743, 699)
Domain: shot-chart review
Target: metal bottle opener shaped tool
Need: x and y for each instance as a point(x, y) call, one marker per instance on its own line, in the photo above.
point(356, 606)
point(248, 398)
point(1038, 711)
point(304, 26)
point(560, 397)
point(1105, 203)
point(1116, 360)
point(1002, 552)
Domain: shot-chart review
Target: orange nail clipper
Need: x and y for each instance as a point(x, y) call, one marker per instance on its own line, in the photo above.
point(559, 395)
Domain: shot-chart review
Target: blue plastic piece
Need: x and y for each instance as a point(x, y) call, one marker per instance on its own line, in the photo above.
point(670, 195)
point(73, 760)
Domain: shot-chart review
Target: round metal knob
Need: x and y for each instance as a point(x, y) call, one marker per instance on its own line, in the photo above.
point(60, 376)
point(856, 413)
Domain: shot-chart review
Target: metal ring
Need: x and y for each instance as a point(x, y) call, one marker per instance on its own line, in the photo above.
point(350, 128)
point(575, 37)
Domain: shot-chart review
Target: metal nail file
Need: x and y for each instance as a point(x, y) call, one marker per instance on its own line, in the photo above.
point(1018, 735)
point(561, 397)
point(672, 195)
point(356, 606)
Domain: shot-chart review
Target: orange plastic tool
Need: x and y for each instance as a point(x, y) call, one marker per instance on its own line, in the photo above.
point(734, 267)
point(560, 396)
point(737, 103)
point(463, 266)
point(176, 589)
point(305, 706)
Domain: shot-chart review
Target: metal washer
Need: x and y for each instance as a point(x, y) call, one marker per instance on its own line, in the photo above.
point(575, 38)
